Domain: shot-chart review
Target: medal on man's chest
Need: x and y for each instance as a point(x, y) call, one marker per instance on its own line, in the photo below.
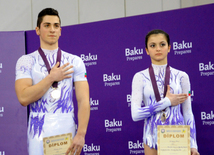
point(56, 93)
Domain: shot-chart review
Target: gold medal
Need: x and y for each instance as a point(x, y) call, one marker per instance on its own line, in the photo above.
point(163, 117)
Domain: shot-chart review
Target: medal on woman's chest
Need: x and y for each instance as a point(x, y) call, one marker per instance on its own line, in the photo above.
point(163, 117)
point(155, 87)
point(56, 90)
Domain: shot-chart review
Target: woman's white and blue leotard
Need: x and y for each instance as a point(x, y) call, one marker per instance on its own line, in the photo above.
point(145, 107)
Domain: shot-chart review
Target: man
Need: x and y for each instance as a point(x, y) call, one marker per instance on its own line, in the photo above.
point(44, 80)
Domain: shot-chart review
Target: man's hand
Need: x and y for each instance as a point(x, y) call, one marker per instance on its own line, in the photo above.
point(77, 145)
point(175, 98)
point(60, 73)
point(28, 93)
point(82, 96)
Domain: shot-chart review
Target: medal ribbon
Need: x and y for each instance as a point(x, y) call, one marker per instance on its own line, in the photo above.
point(154, 83)
point(58, 59)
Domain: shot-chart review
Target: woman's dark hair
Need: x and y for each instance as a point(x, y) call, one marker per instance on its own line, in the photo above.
point(157, 31)
point(47, 11)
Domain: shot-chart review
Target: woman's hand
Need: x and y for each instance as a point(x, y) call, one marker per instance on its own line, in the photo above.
point(194, 152)
point(175, 99)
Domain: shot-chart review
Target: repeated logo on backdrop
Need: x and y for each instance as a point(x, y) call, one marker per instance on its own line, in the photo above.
point(113, 125)
point(94, 104)
point(91, 149)
point(1, 66)
point(207, 118)
point(135, 147)
point(133, 54)
point(2, 153)
point(111, 79)
point(89, 60)
point(181, 48)
point(206, 69)
point(1, 111)
point(128, 98)
point(192, 94)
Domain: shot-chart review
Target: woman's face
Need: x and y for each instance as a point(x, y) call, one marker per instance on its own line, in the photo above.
point(158, 48)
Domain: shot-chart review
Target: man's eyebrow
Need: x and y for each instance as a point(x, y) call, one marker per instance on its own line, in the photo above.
point(46, 23)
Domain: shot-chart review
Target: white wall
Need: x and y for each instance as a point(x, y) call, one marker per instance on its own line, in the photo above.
point(18, 15)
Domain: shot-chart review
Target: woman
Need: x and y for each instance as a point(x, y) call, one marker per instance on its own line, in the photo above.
point(161, 99)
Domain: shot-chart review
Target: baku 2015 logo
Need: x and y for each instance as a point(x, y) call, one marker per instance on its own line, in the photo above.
point(162, 130)
point(48, 141)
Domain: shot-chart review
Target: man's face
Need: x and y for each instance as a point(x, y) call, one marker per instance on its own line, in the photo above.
point(49, 31)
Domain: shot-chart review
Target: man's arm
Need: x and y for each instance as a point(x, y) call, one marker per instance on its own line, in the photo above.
point(27, 92)
point(82, 96)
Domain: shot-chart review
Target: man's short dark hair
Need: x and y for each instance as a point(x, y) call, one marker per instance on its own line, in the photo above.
point(47, 11)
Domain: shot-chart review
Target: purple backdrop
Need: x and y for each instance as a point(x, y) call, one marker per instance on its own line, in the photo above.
point(13, 117)
point(113, 52)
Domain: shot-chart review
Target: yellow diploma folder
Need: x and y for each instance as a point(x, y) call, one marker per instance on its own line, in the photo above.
point(173, 140)
point(57, 145)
